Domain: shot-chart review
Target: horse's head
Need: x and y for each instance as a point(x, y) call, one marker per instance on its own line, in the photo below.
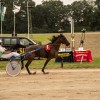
point(59, 39)
point(63, 40)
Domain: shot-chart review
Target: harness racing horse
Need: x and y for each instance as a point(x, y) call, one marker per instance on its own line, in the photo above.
point(40, 51)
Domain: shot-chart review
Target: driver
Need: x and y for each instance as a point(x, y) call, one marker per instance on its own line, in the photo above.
point(5, 53)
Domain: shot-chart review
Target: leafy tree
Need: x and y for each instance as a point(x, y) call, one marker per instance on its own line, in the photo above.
point(97, 2)
point(8, 23)
point(52, 15)
point(81, 13)
point(38, 16)
point(21, 17)
point(53, 12)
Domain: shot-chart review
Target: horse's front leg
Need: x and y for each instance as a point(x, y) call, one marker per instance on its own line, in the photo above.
point(27, 65)
point(22, 64)
point(48, 59)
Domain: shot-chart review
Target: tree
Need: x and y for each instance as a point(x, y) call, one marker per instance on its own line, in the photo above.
point(81, 12)
point(8, 23)
point(21, 17)
point(52, 15)
point(53, 12)
point(38, 16)
point(97, 2)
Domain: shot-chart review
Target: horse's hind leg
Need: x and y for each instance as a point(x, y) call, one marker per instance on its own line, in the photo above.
point(48, 59)
point(27, 65)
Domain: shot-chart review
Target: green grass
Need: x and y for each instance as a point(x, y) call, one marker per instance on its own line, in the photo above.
point(43, 38)
point(52, 65)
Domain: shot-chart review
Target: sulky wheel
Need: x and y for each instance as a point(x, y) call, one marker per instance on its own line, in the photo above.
point(13, 68)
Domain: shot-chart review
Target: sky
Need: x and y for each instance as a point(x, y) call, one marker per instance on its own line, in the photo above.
point(65, 2)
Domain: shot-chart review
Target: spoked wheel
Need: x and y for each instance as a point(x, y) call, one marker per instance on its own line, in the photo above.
point(13, 68)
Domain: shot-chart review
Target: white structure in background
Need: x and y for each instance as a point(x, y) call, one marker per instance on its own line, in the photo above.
point(2, 14)
point(16, 9)
point(28, 20)
point(72, 32)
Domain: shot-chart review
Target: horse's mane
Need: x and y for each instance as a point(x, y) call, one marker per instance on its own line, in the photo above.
point(54, 38)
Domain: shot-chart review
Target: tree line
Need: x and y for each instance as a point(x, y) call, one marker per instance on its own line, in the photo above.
point(51, 16)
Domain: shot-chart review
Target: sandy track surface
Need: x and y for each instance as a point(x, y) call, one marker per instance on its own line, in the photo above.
point(59, 84)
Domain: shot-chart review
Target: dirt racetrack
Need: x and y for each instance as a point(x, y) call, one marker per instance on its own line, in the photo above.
point(59, 84)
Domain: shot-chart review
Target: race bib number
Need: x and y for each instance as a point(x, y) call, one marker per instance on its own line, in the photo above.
point(22, 50)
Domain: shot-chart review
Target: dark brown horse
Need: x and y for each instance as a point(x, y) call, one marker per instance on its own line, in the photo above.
point(40, 51)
